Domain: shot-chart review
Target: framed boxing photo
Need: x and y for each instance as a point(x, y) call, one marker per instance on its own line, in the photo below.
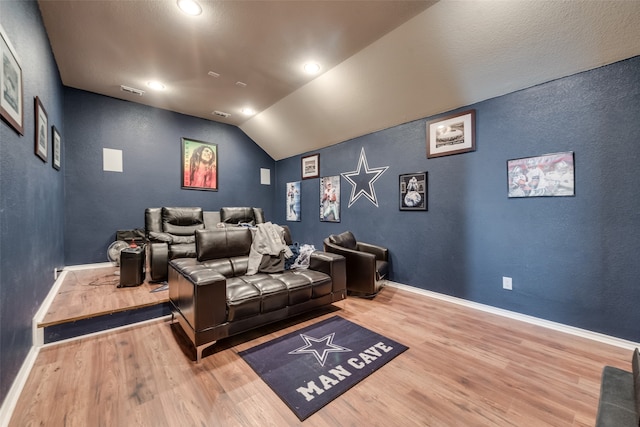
point(310, 166)
point(413, 191)
point(452, 134)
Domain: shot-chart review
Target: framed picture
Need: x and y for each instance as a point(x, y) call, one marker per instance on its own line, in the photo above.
point(41, 131)
point(293, 201)
point(453, 134)
point(199, 165)
point(330, 198)
point(549, 175)
point(413, 191)
point(311, 166)
point(11, 98)
point(55, 135)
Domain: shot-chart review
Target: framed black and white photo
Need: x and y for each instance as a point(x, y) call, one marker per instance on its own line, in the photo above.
point(549, 175)
point(41, 136)
point(11, 92)
point(413, 191)
point(311, 166)
point(452, 134)
point(55, 136)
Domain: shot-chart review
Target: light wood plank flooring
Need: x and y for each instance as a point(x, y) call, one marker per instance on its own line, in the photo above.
point(92, 292)
point(464, 368)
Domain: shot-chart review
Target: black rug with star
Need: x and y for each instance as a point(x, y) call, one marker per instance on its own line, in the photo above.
point(310, 367)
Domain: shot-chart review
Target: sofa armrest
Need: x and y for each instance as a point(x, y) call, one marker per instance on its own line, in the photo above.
point(332, 264)
point(158, 258)
point(381, 253)
point(199, 293)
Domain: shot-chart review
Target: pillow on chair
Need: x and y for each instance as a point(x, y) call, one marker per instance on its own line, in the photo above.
point(345, 240)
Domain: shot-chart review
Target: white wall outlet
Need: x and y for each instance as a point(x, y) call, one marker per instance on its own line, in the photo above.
point(506, 283)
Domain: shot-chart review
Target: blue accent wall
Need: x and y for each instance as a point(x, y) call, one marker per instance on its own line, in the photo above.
point(31, 193)
point(99, 203)
point(573, 260)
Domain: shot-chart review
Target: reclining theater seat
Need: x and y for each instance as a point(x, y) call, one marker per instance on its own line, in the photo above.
point(367, 264)
point(241, 215)
point(212, 297)
point(170, 231)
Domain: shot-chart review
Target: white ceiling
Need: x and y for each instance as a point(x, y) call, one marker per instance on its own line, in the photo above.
point(384, 62)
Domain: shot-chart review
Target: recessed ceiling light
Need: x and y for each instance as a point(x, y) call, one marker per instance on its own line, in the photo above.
point(312, 68)
point(248, 111)
point(190, 7)
point(155, 85)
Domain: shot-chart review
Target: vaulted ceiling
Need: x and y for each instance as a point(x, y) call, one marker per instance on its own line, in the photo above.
point(383, 62)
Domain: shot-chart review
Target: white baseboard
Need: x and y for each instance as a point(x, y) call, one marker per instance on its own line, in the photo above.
point(595, 336)
point(10, 401)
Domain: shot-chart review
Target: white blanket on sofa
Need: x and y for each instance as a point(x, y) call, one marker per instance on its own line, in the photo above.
point(268, 239)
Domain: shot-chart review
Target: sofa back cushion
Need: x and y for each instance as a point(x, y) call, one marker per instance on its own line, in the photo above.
point(222, 243)
point(182, 221)
point(345, 240)
point(241, 215)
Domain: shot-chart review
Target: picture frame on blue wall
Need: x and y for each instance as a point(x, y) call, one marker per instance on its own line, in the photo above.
point(293, 201)
point(11, 85)
point(330, 198)
point(310, 166)
point(199, 165)
point(57, 141)
point(452, 134)
point(41, 136)
point(548, 175)
point(413, 191)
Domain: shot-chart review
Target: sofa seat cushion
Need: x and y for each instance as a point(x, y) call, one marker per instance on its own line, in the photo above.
point(274, 292)
point(320, 283)
point(243, 299)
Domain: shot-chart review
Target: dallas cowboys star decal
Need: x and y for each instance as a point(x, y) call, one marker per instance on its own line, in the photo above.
point(362, 180)
point(319, 347)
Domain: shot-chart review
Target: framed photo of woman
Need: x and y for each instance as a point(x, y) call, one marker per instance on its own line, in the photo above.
point(199, 165)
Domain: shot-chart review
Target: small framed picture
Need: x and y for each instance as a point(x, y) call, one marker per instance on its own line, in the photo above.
point(453, 134)
point(293, 201)
point(311, 166)
point(549, 175)
point(199, 165)
point(11, 85)
point(55, 136)
point(413, 191)
point(41, 131)
point(330, 198)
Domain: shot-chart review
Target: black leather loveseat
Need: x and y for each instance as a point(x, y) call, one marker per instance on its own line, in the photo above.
point(212, 297)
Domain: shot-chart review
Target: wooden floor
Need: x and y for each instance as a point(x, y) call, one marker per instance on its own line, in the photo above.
point(463, 368)
point(91, 292)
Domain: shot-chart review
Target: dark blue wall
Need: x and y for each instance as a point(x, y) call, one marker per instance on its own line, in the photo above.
point(573, 260)
point(31, 193)
point(99, 203)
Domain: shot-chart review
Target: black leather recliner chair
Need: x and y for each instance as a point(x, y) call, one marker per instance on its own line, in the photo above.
point(367, 264)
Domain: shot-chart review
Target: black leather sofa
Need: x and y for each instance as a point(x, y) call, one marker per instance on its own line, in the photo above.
point(170, 231)
point(212, 297)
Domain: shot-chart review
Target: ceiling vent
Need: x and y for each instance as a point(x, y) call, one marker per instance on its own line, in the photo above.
point(221, 114)
point(131, 90)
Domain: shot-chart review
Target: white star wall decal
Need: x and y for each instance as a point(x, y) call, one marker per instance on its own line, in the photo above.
point(362, 180)
point(319, 347)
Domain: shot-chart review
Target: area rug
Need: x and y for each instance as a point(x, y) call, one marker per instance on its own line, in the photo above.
point(310, 367)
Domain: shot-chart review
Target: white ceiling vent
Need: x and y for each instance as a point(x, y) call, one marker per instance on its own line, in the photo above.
point(131, 90)
point(221, 114)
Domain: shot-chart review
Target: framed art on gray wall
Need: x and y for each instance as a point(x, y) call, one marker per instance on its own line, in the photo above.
point(330, 198)
point(11, 98)
point(41, 131)
point(199, 165)
point(549, 175)
point(413, 191)
point(453, 134)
